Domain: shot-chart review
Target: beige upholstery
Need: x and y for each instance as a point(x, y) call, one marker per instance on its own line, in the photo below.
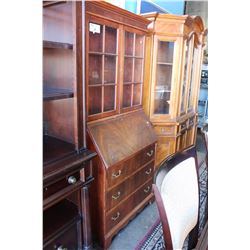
point(180, 195)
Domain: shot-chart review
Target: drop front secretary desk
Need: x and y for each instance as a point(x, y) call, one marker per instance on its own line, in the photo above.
point(67, 164)
point(172, 79)
point(117, 127)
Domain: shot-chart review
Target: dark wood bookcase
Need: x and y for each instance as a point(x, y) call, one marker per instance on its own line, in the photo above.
point(67, 163)
point(117, 128)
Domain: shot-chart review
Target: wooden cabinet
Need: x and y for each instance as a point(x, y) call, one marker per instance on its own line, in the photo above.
point(117, 128)
point(123, 171)
point(115, 45)
point(67, 166)
point(172, 76)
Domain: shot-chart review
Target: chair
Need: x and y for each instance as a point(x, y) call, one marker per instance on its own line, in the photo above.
point(176, 190)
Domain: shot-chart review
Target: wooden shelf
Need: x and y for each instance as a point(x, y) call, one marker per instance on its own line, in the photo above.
point(55, 149)
point(51, 3)
point(58, 217)
point(57, 45)
point(165, 63)
point(102, 53)
point(50, 94)
point(136, 57)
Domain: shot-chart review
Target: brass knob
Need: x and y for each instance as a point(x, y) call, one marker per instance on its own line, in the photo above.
point(149, 154)
point(72, 180)
point(114, 218)
point(115, 197)
point(62, 248)
point(114, 175)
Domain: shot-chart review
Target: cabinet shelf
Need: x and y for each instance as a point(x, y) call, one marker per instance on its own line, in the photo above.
point(50, 94)
point(131, 56)
point(55, 149)
point(102, 53)
point(51, 3)
point(58, 217)
point(57, 45)
point(165, 63)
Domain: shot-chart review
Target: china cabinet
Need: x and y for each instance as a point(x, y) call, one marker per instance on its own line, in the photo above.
point(67, 164)
point(117, 128)
point(172, 77)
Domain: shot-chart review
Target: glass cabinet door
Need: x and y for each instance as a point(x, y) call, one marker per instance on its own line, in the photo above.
point(164, 68)
point(133, 69)
point(186, 77)
point(102, 68)
point(190, 103)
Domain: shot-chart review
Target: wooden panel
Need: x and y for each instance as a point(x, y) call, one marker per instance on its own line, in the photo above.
point(119, 138)
point(67, 239)
point(59, 119)
point(164, 130)
point(165, 147)
point(115, 14)
point(118, 193)
point(116, 215)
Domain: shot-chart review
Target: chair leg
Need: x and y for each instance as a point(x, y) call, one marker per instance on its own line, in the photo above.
point(193, 237)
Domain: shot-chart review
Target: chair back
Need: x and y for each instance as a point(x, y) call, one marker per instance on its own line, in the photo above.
point(176, 190)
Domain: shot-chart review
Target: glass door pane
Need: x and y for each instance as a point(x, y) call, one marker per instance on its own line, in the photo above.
point(110, 40)
point(95, 100)
point(127, 90)
point(95, 37)
point(192, 79)
point(109, 69)
point(185, 79)
point(109, 98)
point(95, 69)
point(164, 69)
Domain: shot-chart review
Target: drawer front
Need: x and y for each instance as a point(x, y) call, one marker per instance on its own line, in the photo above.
point(118, 173)
point(144, 156)
point(182, 126)
point(118, 193)
point(116, 215)
point(164, 130)
point(68, 239)
point(68, 180)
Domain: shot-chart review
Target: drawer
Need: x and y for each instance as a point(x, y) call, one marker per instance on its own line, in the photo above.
point(164, 130)
point(116, 174)
point(67, 239)
point(144, 156)
point(118, 193)
point(68, 180)
point(119, 213)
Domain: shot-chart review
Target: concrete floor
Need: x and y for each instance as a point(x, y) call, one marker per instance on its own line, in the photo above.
point(129, 237)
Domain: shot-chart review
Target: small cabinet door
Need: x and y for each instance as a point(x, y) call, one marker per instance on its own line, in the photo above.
point(102, 65)
point(163, 77)
point(133, 50)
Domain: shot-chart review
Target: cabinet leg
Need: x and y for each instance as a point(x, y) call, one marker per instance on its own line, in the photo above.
point(86, 226)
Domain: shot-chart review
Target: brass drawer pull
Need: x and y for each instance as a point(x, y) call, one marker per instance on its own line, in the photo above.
point(148, 171)
point(146, 190)
point(62, 248)
point(150, 153)
point(115, 197)
point(114, 218)
point(72, 180)
point(114, 175)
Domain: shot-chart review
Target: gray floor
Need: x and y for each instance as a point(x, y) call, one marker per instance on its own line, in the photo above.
point(129, 237)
